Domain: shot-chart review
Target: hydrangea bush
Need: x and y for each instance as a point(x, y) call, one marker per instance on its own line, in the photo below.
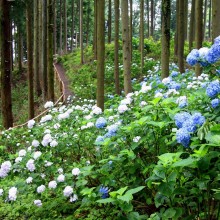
point(150, 155)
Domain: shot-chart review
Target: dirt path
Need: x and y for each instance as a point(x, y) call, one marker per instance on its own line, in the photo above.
point(61, 71)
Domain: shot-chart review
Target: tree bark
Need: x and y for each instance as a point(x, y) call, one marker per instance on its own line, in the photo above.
point(148, 19)
point(152, 18)
point(20, 48)
point(55, 28)
point(6, 108)
point(131, 26)
point(126, 47)
point(116, 59)
point(95, 30)
point(165, 54)
point(73, 24)
point(109, 21)
point(177, 26)
point(81, 31)
point(29, 12)
point(199, 29)
point(192, 25)
point(210, 18)
point(215, 19)
point(205, 19)
point(185, 19)
point(61, 28)
point(100, 52)
point(142, 34)
point(65, 27)
point(50, 70)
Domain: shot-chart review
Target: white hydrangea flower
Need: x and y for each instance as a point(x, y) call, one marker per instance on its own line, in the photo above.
point(63, 116)
point(158, 94)
point(143, 103)
point(60, 170)
point(61, 178)
point(12, 194)
point(47, 131)
point(68, 191)
point(5, 168)
point(37, 154)
point(29, 180)
point(48, 163)
point(52, 184)
point(38, 202)
point(48, 104)
point(88, 117)
point(35, 143)
point(53, 143)
point(145, 89)
point(18, 159)
point(41, 189)
point(31, 124)
point(122, 108)
point(46, 140)
point(136, 139)
point(1, 192)
point(76, 171)
point(96, 110)
point(90, 124)
point(22, 153)
point(46, 118)
point(56, 126)
point(30, 165)
point(73, 198)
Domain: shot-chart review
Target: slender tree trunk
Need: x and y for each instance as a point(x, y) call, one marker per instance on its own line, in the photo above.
point(142, 34)
point(199, 29)
point(11, 47)
point(95, 30)
point(177, 31)
point(44, 52)
point(116, 61)
point(109, 21)
point(210, 18)
point(6, 104)
point(40, 46)
point(20, 48)
point(152, 19)
point(181, 37)
point(65, 27)
point(215, 19)
point(185, 19)
point(87, 24)
point(61, 28)
point(50, 70)
point(100, 52)
point(131, 26)
point(148, 19)
point(55, 28)
point(126, 47)
point(81, 31)
point(165, 54)
point(205, 19)
point(192, 25)
point(29, 16)
point(73, 24)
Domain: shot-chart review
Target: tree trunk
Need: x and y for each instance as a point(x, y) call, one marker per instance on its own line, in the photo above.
point(20, 48)
point(152, 18)
point(95, 30)
point(215, 19)
point(210, 18)
point(40, 46)
point(100, 52)
point(181, 37)
point(87, 24)
point(73, 24)
point(142, 34)
point(192, 25)
point(81, 31)
point(55, 28)
point(61, 28)
point(6, 104)
point(126, 47)
point(177, 26)
point(65, 27)
point(116, 61)
point(109, 21)
point(199, 29)
point(50, 70)
point(131, 26)
point(185, 19)
point(30, 60)
point(205, 19)
point(44, 52)
point(165, 54)
point(148, 19)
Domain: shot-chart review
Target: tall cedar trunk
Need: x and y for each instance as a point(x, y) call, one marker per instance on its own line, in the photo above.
point(50, 71)
point(81, 30)
point(87, 24)
point(109, 21)
point(180, 36)
point(40, 46)
point(210, 18)
point(205, 19)
point(199, 29)
point(116, 61)
point(142, 33)
point(95, 30)
point(6, 104)
point(192, 25)
point(131, 26)
point(36, 49)
point(61, 28)
point(177, 26)
point(148, 19)
point(126, 47)
point(20, 48)
point(185, 19)
point(152, 18)
point(11, 47)
point(29, 16)
point(65, 27)
point(44, 52)
point(55, 28)
point(73, 24)
point(100, 53)
point(165, 55)
point(215, 19)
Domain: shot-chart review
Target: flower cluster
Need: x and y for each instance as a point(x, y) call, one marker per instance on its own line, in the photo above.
point(12, 194)
point(104, 192)
point(5, 169)
point(101, 122)
point(213, 89)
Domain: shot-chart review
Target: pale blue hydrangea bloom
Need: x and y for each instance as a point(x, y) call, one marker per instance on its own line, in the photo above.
point(215, 103)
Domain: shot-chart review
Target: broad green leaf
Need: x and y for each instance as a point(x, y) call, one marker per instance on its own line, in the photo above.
point(127, 197)
point(169, 213)
point(156, 123)
point(188, 162)
point(122, 190)
point(155, 101)
point(87, 191)
point(135, 190)
point(213, 137)
point(108, 200)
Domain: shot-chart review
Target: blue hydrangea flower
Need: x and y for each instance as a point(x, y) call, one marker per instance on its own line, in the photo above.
point(198, 119)
point(215, 103)
point(100, 139)
point(101, 122)
point(174, 85)
point(217, 40)
point(213, 89)
point(104, 192)
point(174, 74)
point(180, 118)
point(189, 125)
point(183, 104)
point(192, 58)
point(183, 137)
point(213, 54)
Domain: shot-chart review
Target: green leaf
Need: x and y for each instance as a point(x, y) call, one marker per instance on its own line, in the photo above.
point(213, 137)
point(122, 190)
point(169, 213)
point(135, 190)
point(155, 101)
point(87, 191)
point(215, 128)
point(108, 200)
point(156, 123)
point(188, 162)
point(127, 197)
